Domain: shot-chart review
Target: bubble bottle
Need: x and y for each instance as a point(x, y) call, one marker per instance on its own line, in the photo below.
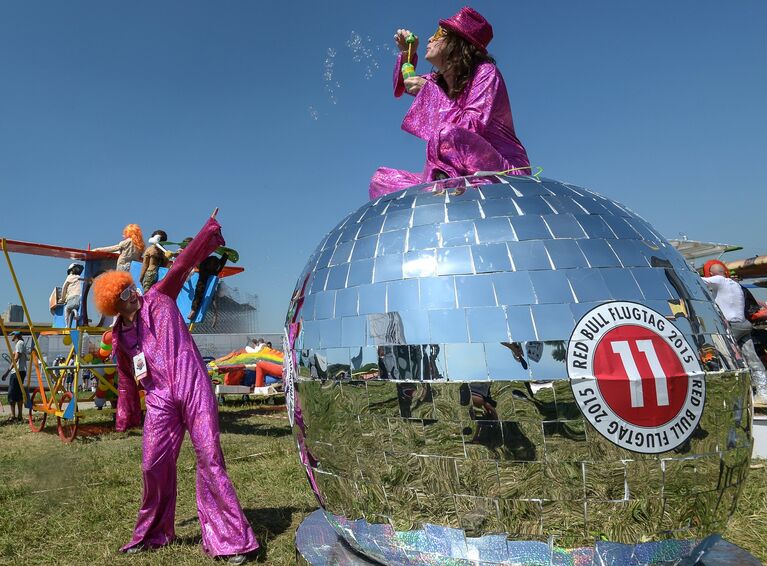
point(408, 69)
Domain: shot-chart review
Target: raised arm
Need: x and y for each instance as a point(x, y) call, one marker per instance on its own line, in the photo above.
point(201, 246)
point(222, 263)
point(65, 288)
point(407, 42)
point(399, 82)
point(424, 117)
point(117, 248)
point(714, 282)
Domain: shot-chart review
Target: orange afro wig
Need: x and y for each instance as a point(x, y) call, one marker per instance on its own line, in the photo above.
point(107, 288)
point(711, 263)
point(133, 231)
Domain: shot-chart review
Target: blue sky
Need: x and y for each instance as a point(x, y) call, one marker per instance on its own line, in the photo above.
point(278, 113)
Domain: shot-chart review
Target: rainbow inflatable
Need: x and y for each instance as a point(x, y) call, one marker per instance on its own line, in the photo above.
point(230, 369)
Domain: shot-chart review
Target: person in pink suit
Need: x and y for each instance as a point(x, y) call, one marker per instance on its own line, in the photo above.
point(461, 109)
point(154, 350)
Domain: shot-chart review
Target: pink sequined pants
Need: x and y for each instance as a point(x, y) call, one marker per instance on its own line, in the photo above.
point(454, 151)
point(188, 406)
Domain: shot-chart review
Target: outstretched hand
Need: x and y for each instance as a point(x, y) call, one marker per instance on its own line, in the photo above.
point(400, 39)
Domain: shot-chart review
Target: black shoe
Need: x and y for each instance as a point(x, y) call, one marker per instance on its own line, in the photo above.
point(237, 559)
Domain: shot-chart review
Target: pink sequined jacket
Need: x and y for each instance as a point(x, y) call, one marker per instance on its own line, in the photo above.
point(483, 108)
point(168, 341)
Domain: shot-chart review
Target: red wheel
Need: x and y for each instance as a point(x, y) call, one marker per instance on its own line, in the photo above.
point(67, 427)
point(36, 418)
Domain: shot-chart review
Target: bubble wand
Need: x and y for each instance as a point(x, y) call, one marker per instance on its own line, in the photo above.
point(408, 69)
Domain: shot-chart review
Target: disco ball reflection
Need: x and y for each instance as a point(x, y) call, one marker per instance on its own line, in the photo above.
point(513, 370)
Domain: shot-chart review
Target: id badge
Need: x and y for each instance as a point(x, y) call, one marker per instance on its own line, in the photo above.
point(139, 366)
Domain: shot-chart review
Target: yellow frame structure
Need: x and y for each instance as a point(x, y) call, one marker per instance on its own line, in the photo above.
point(54, 399)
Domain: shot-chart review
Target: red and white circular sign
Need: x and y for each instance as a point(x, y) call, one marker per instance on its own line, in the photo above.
point(635, 377)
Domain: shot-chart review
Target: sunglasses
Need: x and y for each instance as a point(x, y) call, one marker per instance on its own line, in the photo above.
point(127, 292)
point(439, 34)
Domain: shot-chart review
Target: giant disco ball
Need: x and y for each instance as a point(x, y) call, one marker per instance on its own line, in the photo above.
point(506, 369)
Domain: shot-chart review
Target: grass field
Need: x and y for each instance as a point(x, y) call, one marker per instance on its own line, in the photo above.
point(76, 504)
point(89, 491)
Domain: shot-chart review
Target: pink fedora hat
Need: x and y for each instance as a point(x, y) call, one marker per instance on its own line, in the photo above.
point(470, 25)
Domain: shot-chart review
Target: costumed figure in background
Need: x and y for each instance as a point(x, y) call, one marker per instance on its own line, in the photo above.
point(154, 350)
point(730, 297)
point(155, 257)
point(71, 292)
point(461, 109)
point(211, 266)
point(130, 247)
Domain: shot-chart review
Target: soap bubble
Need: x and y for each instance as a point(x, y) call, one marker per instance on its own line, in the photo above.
point(364, 52)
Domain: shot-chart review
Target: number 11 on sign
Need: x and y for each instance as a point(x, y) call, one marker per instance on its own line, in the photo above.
point(646, 347)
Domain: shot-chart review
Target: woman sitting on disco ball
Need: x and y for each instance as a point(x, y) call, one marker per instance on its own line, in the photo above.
point(155, 351)
point(461, 109)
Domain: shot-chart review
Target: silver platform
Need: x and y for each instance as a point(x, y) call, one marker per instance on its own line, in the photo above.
point(459, 376)
point(317, 544)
